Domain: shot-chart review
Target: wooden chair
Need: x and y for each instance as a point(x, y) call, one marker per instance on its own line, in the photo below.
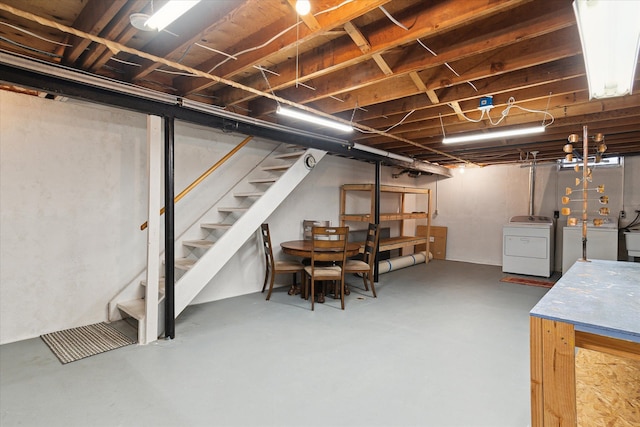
point(276, 267)
point(367, 265)
point(308, 224)
point(329, 246)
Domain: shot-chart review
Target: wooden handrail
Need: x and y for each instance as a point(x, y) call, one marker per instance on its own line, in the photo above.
point(204, 175)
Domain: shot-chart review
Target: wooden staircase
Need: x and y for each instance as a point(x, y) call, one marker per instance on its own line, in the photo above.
point(224, 229)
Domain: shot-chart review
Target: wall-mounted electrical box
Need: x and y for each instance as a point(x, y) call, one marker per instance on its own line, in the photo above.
point(486, 103)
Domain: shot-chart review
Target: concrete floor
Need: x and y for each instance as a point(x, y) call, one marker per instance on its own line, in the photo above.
point(445, 344)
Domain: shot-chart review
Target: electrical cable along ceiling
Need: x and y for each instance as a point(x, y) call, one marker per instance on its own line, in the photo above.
point(401, 74)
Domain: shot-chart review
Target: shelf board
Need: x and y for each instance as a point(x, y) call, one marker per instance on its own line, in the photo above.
point(400, 242)
point(391, 243)
point(385, 188)
point(384, 216)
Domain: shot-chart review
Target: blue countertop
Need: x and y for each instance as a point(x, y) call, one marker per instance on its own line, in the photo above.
point(601, 297)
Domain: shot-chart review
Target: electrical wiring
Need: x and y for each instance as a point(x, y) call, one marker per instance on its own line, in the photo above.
point(331, 9)
point(133, 64)
point(216, 51)
point(186, 51)
point(272, 39)
point(446, 64)
point(35, 35)
point(175, 73)
point(633, 223)
point(261, 68)
point(510, 104)
point(426, 47)
point(25, 47)
point(116, 47)
point(391, 127)
point(306, 85)
point(460, 113)
point(392, 19)
point(264, 76)
point(251, 49)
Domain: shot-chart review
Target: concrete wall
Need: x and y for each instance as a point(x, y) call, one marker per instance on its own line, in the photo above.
point(73, 195)
point(476, 203)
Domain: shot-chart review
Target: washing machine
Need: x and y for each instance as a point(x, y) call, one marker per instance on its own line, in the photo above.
point(602, 243)
point(527, 246)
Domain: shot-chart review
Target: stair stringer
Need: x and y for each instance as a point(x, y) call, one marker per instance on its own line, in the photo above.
point(214, 259)
point(135, 291)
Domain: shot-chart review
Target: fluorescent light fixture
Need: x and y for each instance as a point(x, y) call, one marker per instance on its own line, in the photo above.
point(168, 13)
point(313, 119)
point(303, 7)
point(610, 36)
point(493, 135)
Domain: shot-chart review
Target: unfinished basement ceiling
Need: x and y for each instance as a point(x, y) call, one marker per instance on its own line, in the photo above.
point(403, 72)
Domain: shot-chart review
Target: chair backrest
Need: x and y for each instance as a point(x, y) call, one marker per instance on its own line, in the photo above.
point(371, 243)
point(329, 244)
point(266, 241)
point(308, 224)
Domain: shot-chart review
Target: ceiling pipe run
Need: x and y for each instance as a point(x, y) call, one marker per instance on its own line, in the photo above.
point(23, 71)
point(532, 182)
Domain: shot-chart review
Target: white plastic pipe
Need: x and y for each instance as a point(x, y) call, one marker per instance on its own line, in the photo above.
point(388, 265)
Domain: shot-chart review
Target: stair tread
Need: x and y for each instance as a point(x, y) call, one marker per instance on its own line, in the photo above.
point(216, 225)
point(276, 167)
point(291, 155)
point(134, 308)
point(233, 209)
point(160, 290)
point(201, 243)
point(184, 263)
point(249, 194)
point(262, 180)
point(160, 285)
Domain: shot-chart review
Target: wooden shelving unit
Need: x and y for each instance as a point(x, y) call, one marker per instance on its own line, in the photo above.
point(397, 242)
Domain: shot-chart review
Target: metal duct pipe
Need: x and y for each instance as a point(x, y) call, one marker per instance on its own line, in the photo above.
point(532, 182)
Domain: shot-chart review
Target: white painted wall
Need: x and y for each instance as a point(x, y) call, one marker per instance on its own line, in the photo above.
point(72, 188)
point(475, 205)
point(73, 195)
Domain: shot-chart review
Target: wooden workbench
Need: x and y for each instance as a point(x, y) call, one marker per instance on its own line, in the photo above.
point(595, 305)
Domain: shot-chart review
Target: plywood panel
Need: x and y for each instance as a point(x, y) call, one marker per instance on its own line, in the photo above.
point(607, 390)
point(438, 240)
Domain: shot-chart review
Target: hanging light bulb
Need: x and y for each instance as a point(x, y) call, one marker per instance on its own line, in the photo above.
point(303, 7)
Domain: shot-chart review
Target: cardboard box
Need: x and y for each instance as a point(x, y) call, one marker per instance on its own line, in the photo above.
point(437, 241)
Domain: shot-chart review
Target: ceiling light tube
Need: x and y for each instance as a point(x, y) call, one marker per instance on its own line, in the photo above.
point(168, 13)
point(493, 135)
point(610, 36)
point(288, 112)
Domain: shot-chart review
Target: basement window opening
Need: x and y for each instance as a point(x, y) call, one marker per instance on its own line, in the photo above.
point(613, 161)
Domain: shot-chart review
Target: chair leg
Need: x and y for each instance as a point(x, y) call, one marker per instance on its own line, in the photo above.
point(273, 278)
point(266, 277)
point(313, 292)
point(305, 286)
point(342, 293)
point(292, 289)
point(364, 279)
point(373, 287)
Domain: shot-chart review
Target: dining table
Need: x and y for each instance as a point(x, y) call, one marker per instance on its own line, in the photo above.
point(303, 249)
